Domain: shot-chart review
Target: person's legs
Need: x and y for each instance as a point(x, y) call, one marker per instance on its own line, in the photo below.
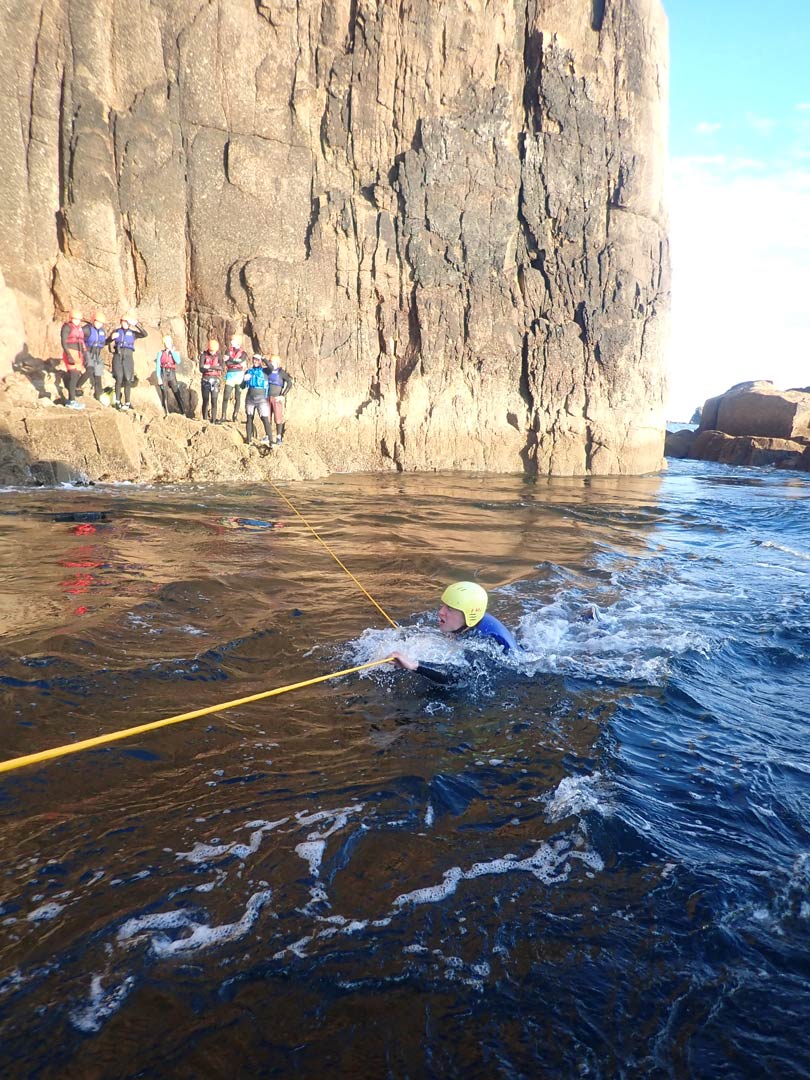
point(129, 374)
point(277, 406)
point(118, 375)
point(175, 389)
point(206, 397)
point(249, 407)
point(214, 399)
point(264, 412)
point(71, 382)
point(237, 397)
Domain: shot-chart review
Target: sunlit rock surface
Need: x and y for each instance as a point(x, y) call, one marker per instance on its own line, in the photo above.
point(447, 217)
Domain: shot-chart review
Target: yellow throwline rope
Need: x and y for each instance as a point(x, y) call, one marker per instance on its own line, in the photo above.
point(127, 733)
point(281, 495)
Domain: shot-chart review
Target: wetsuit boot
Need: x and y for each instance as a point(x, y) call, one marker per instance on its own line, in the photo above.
point(279, 434)
point(249, 431)
point(268, 432)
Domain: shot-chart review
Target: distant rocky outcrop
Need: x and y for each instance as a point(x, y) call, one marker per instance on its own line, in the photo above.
point(753, 423)
point(447, 218)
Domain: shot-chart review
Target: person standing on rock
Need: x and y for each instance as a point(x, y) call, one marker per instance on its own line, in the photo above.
point(167, 362)
point(257, 382)
point(279, 386)
point(122, 342)
point(236, 362)
point(95, 338)
point(211, 371)
point(73, 350)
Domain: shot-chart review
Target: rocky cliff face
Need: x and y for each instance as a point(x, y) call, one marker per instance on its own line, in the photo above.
point(446, 216)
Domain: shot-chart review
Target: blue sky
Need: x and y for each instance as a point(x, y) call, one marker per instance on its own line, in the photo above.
point(739, 196)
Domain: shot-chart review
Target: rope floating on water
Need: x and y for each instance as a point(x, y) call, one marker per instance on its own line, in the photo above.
point(384, 613)
point(128, 733)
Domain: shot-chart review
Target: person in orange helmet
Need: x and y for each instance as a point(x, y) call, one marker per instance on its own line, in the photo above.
point(74, 350)
point(211, 371)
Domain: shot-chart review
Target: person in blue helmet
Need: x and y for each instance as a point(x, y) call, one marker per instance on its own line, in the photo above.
point(463, 613)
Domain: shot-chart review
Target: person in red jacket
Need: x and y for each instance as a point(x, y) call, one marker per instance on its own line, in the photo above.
point(74, 350)
point(236, 362)
point(211, 371)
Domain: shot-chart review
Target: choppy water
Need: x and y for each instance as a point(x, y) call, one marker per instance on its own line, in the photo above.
point(592, 861)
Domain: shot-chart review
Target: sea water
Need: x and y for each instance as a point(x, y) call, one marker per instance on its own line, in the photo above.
point(590, 859)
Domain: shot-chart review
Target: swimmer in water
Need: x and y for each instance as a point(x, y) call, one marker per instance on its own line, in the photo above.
point(463, 615)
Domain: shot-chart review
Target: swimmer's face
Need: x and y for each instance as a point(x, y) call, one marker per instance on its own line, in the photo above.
point(450, 619)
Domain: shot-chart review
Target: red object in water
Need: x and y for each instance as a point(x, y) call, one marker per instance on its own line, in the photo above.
point(78, 584)
point(81, 610)
point(81, 530)
point(80, 563)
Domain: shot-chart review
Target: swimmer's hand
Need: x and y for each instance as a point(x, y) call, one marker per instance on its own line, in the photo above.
point(401, 660)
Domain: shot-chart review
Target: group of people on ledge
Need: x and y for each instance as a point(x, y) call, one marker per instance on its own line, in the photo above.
point(265, 382)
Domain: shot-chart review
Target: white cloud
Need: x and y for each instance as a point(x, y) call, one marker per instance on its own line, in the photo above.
point(741, 277)
point(706, 127)
point(802, 106)
point(763, 125)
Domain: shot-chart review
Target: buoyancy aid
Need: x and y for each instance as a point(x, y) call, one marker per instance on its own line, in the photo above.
point(167, 360)
point(73, 344)
point(211, 365)
point(275, 380)
point(235, 359)
point(123, 339)
point(96, 337)
point(256, 379)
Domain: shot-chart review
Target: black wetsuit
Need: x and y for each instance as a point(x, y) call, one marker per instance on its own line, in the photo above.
point(489, 628)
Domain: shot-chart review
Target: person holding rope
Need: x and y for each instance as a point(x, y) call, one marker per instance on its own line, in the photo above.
point(463, 614)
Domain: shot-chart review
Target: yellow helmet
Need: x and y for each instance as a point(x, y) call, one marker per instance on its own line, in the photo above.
point(167, 341)
point(99, 317)
point(76, 315)
point(236, 341)
point(468, 598)
point(213, 345)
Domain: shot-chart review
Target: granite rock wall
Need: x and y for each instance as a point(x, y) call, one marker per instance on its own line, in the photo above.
point(446, 215)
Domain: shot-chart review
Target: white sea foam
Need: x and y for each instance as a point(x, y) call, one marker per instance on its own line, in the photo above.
point(630, 640)
point(101, 1004)
point(45, 912)
point(339, 819)
point(201, 936)
point(577, 795)
point(311, 851)
point(202, 853)
point(549, 864)
point(787, 550)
